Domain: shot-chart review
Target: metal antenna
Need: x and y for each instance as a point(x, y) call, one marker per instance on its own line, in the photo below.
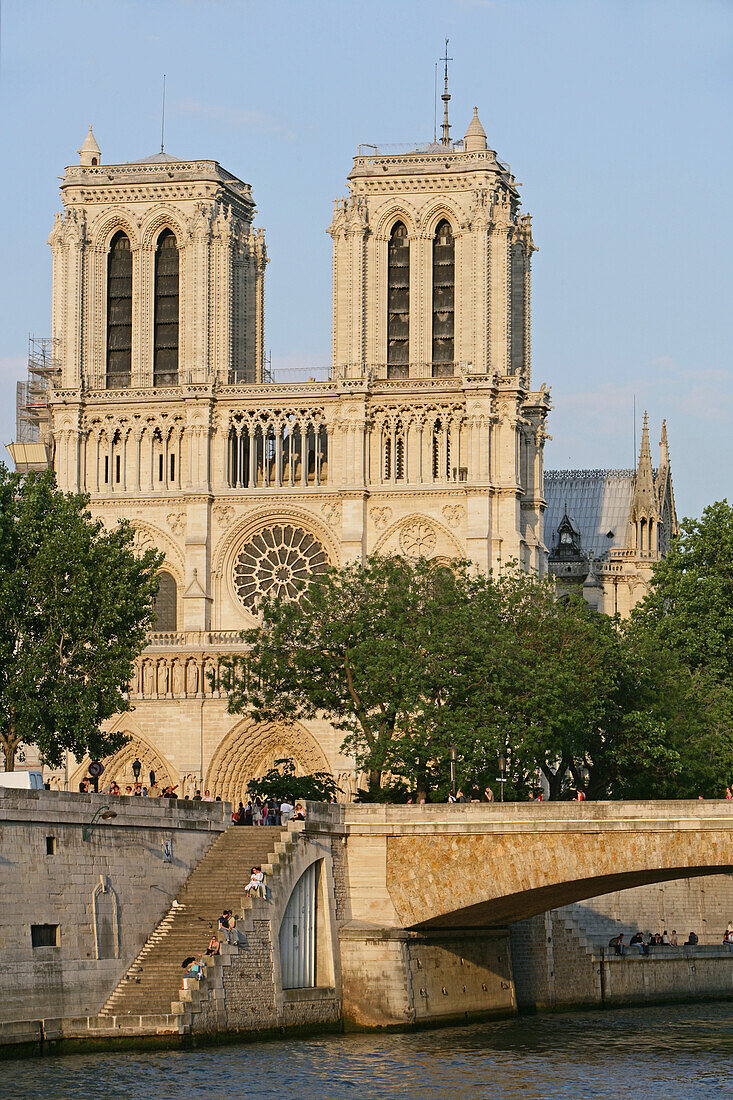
point(635, 454)
point(435, 106)
point(162, 120)
point(445, 140)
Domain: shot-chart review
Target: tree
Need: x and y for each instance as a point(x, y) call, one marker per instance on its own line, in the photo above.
point(282, 779)
point(684, 631)
point(365, 646)
point(76, 601)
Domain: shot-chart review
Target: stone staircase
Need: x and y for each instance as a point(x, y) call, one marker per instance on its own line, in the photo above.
point(594, 929)
point(153, 982)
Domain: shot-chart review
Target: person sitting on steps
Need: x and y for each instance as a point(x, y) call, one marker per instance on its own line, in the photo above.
point(256, 883)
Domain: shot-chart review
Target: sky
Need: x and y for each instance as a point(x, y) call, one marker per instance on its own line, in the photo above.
point(614, 114)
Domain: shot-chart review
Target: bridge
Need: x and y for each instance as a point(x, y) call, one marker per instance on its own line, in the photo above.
point(374, 915)
point(477, 865)
point(428, 891)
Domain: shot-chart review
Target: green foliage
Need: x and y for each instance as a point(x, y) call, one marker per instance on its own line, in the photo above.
point(76, 603)
point(689, 609)
point(281, 781)
point(409, 658)
point(683, 633)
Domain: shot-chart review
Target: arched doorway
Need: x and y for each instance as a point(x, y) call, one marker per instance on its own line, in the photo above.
point(251, 750)
point(118, 766)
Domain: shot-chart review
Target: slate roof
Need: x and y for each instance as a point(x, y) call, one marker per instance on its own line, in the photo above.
point(598, 502)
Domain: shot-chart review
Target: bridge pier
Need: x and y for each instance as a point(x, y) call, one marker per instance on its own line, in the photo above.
point(393, 977)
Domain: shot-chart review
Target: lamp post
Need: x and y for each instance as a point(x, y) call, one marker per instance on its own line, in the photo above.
point(136, 768)
point(453, 758)
point(102, 814)
point(501, 778)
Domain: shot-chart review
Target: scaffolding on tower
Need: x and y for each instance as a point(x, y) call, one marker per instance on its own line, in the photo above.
point(31, 449)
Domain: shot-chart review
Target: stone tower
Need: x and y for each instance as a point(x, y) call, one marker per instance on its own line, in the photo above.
point(431, 262)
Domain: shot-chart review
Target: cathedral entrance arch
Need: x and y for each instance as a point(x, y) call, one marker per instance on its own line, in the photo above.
point(251, 749)
point(118, 766)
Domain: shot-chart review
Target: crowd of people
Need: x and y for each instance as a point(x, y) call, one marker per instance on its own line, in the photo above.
point(662, 939)
point(260, 812)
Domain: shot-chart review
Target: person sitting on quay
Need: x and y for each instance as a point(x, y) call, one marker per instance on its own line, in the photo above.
point(617, 942)
point(693, 941)
point(214, 947)
point(299, 812)
point(637, 940)
point(673, 939)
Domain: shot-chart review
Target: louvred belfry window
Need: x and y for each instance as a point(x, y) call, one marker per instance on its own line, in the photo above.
point(165, 361)
point(444, 281)
point(119, 313)
point(398, 303)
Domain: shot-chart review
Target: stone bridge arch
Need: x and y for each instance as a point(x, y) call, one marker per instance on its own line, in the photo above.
point(251, 749)
point(483, 866)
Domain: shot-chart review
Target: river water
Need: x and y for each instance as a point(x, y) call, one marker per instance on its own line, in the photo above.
point(675, 1052)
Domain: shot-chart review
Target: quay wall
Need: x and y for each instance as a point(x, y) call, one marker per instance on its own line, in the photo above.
point(99, 898)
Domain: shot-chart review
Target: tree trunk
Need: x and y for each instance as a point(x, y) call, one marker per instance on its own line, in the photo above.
point(9, 746)
point(555, 779)
point(375, 780)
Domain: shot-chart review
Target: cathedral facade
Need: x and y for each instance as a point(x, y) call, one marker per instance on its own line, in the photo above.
point(426, 440)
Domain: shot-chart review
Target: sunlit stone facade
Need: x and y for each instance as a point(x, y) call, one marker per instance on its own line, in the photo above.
point(427, 438)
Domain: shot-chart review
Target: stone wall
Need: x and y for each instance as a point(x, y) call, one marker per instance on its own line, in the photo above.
point(551, 966)
point(394, 978)
point(102, 895)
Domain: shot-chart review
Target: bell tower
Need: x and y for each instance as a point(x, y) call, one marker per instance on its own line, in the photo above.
point(432, 288)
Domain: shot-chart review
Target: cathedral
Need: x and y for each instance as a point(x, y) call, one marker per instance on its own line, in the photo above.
point(426, 440)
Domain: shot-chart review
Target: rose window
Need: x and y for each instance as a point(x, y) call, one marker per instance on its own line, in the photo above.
point(417, 539)
point(277, 562)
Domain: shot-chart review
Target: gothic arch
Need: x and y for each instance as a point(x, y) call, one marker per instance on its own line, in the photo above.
point(118, 766)
point(444, 540)
point(440, 210)
point(110, 223)
point(146, 533)
point(399, 211)
point(156, 221)
point(251, 748)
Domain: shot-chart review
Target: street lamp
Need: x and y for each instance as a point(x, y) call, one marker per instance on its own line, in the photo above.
point(136, 768)
point(501, 778)
point(102, 814)
point(453, 758)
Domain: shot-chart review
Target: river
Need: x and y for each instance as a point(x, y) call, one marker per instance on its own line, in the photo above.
point(676, 1052)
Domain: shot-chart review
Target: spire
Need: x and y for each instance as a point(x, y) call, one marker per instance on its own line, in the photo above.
point(445, 140)
point(663, 447)
point(644, 499)
point(475, 139)
point(89, 154)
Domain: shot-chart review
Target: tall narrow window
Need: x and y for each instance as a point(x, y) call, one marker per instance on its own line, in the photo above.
point(165, 606)
point(444, 282)
point(119, 313)
point(398, 304)
point(165, 362)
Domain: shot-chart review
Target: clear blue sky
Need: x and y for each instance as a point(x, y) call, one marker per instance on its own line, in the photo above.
point(616, 116)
